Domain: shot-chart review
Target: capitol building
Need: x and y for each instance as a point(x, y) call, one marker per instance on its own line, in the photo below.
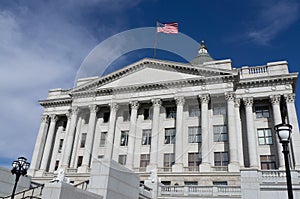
point(202, 129)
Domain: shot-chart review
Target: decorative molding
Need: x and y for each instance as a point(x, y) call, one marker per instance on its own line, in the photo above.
point(248, 101)
point(53, 118)
point(68, 114)
point(204, 98)
point(237, 102)
point(275, 99)
point(156, 102)
point(75, 110)
point(229, 96)
point(180, 100)
point(94, 108)
point(290, 98)
point(114, 106)
point(134, 105)
point(45, 118)
point(56, 102)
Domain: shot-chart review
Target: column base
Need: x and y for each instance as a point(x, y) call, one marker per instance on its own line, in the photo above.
point(205, 167)
point(83, 169)
point(281, 168)
point(177, 167)
point(234, 167)
point(39, 173)
point(151, 167)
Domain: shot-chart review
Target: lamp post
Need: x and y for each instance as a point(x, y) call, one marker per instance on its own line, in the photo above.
point(20, 167)
point(284, 132)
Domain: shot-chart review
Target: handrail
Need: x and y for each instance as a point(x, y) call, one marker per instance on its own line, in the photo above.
point(38, 185)
point(83, 184)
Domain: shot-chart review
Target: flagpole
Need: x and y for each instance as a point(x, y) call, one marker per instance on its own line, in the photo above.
point(155, 42)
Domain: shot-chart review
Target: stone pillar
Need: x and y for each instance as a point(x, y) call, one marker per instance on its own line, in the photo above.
point(155, 135)
point(39, 145)
point(77, 134)
point(238, 128)
point(178, 166)
point(89, 139)
point(132, 134)
point(275, 101)
point(69, 138)
point(292, 116)
point(111, 131)
point(251, 134)
point(231, 126)
point(48, 146)
point(65, 137)
point(205, 166)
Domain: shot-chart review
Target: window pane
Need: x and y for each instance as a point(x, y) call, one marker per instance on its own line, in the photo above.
point(103, 139)
point(124, 138)
point(83, 138)
point(170, 136)
point(220, 133)
point(122, 159)
point(146, 137)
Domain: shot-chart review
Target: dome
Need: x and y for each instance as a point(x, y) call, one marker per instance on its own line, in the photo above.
point(202, 56)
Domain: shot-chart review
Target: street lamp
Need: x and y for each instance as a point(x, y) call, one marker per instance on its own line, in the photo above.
point(284, 132)
point(20, 167)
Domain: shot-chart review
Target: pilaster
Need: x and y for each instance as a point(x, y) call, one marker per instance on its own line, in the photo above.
point(238, 126)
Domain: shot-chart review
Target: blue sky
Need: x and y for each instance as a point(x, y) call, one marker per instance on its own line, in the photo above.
point(43, 43)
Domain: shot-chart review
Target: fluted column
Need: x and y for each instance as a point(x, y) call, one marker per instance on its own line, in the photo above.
point(70, 138)
point(89, 138)
point(132, 134)
point(275, 101)
point(111, 130)
point(251, 134)
point(155, 135)
point(39, 145)
point(205, 165)
point(48, 146)
point(238, 128)
point(68, 115)
point(292, 116)
point(233, 154)
point(178, 166)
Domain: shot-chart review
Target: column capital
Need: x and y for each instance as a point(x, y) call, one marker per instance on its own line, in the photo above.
point(229, 96)
point(134, 104)
point(204, 98)
point(94, 108)
point(248, 101)
point(53, 118)
point(290, 98)
point(156, 102)
point(114, 106)
point(45, 118)
point(68, 114)
point(180, 100)
point(74, 110)
point(275, 99)
point(237, 102)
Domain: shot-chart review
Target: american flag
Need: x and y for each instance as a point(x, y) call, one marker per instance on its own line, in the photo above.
point(169, 28)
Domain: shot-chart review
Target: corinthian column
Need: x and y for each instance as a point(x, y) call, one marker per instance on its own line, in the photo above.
point(89, 138)
point(39, 145)
point(292, 116)
point(238, 128)
point(251, 134)
point(178, 166)
point(275, 101)
point(205, 165)
point(48, 146)
point(155, 135)
point(69, 138)
point(132, 134)
point(234, 163)
point(111, 130)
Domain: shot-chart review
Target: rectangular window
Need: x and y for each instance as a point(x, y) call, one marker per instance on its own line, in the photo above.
point(147, 114)
point(169, 160)
point(144, 161)
point(79, 161)
point(103, 139)
point(220, 133)
point(194, 160)
point(221, 158)
point(170, 135)
point(56, 165)
point(124, 138)
point(166, 183)
point(146, 137)
point(190, 183)
point(171, 112)
point(126, 116)
point(82, 142)
point(220, 183)
point(194, 111)
point(106, 117)
point(61, 141)
point(267, 162)
point(100, 156)
point(194, 134)
point(265, 136)
point(122, 159)
point(262, 111)
point(219, 109)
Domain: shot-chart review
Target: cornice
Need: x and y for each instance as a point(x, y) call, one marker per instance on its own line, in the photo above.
point(56, 102)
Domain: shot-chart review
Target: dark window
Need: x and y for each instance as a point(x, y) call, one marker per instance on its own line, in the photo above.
point(103, 139)
point(262, 111)
point(190, 183)
point(220, 183)
point(64, 125)
point(194, 160)
point(220, 133)
point(79, 161)
point(194, 111)
point(167, 183)
point(221, 158)
point(56, 165)
point(146, 137)
point(122, 159)
point(171, 112)
point(265, 136)
point(170, 135)
point(124, 138)
point(61, 141)
point(169, 160)
point(100, 156)
point(83, 138)
point(194, 134)
point(267, 162)
point(144, 161)
point(147, 115)
point(106, 116)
